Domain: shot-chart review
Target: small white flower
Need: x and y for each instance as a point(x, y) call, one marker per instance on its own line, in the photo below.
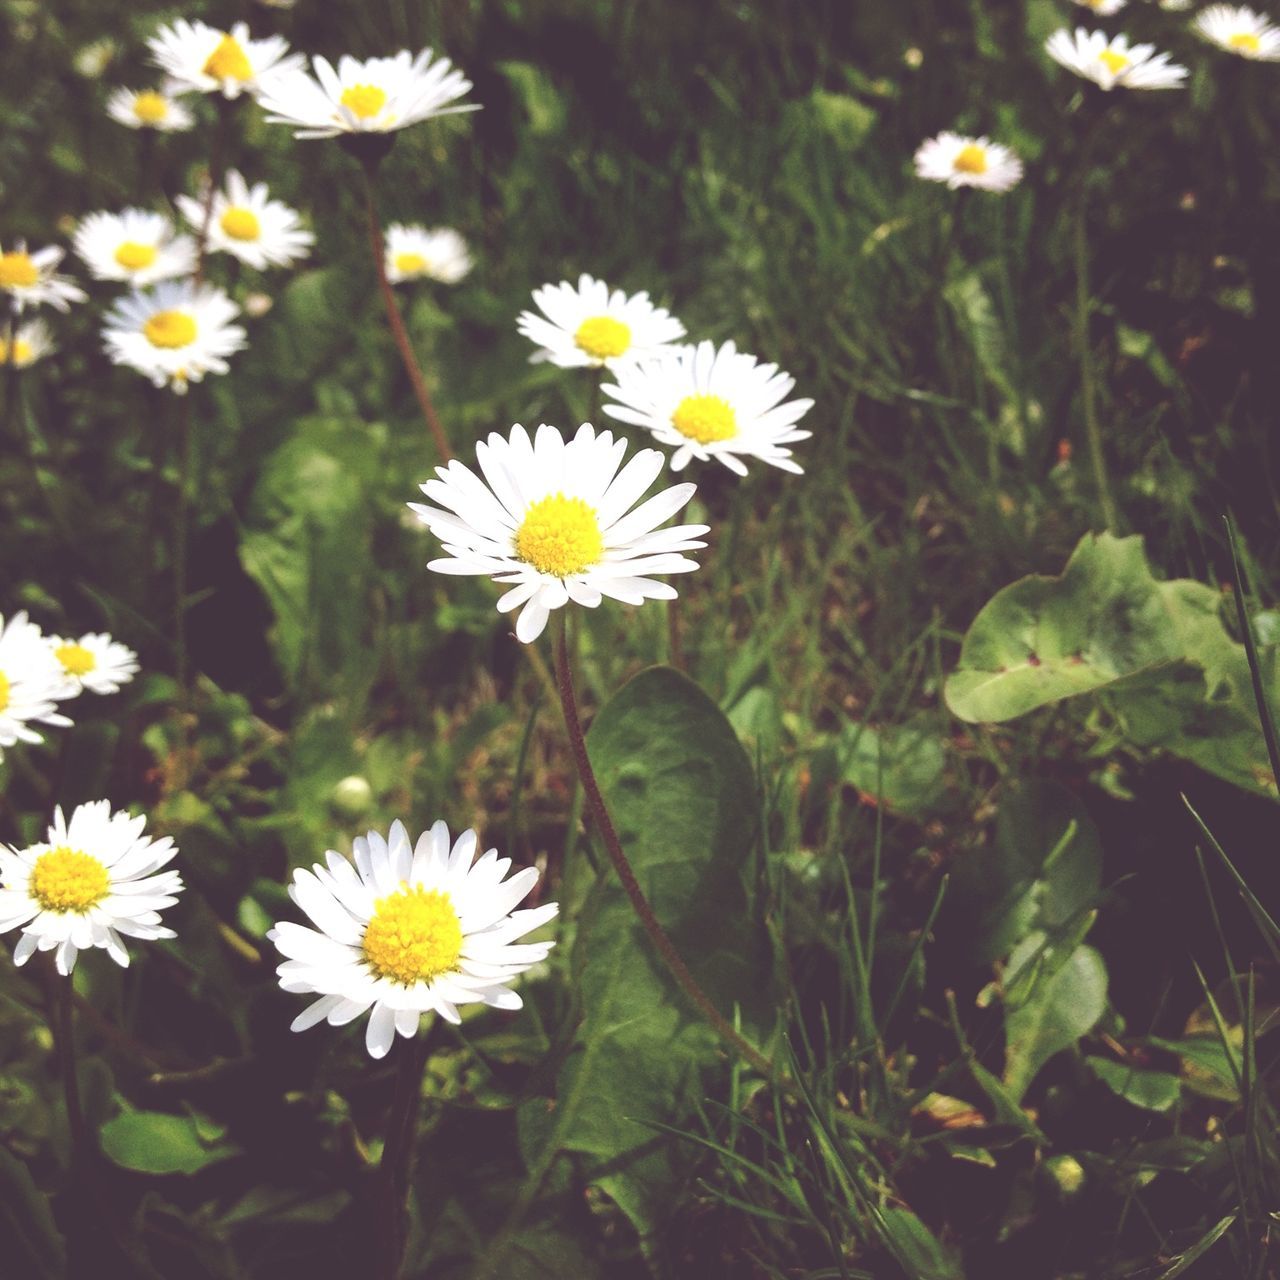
point(149, 109)
point(246, 223)
point(29, 682)
point(32, 278)
point(1103, 8)
point(590, 326)
point(1110, 62)
point(408, 930)
point(1240, 31)
point(968, 162)
point(415, 252)
point(95, 662)
point(92, 880)
point(31, 342)
point(134, 245)
point(198, 56)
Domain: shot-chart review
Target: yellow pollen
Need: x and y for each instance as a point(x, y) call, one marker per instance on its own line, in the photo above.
point(67, 880)
point(133, 256)
point(240, 224)
point(603, 337)
point(151, 107)
point(560, 536)
point(4, 691)
point(1113, 61)
point(75, 658)
point(705, 418)
point(415, 935)
point(22, 354)
point(410, 264)
point(229, 61)
point(170, 329)
point(364, 101)
point(1245, 41)
point(17, 271)
point(971, 159)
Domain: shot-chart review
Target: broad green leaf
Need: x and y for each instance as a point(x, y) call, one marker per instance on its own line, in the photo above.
point(157, 1142)
point(1151, 1090)
point(899, 766)
point(916, 1248)
point(30, 1239)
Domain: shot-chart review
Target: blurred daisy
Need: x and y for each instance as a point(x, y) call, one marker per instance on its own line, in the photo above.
point(92, 880)
point(32, 278)
point(198, 56)
point(134, 245)
point(374, 96)
point(555, 520)
point(175, 333)
point(414, 253)
point(591, 326)
point(706, 403)
point(29, 682)
point(1110, 61)
point(968, 162)
point(1103, 8)
point(31, 342)
point(149, 109)
point(246, 223)
point(1239, 31)
point(95, 662)
point(408, 930)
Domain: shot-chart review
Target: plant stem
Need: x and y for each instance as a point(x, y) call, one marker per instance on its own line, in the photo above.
point(181, 518)
point(391, 1220)
point(59, 994)
point(217, 155)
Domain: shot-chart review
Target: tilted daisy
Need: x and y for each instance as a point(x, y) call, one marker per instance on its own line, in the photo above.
point(415, 253)
point(149, 109)
point(409, 929)
point(134, 245)
point(1110, 61)
point(968, 162)
point(93, 879)
point(246, 223)
point(29, 682)
point(31, 342)
point(708, 403)
point(198, 56)
point(28, 279)
point(1103, 8)
point(591, 326)
point(95, 662)
point(175, 333)
point(1240, 31)
point(554, 519)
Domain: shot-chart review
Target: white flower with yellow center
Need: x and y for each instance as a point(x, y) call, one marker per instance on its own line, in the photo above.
point(28, 279)
point(92, 880)
point(31, 342)
point(1240, 31)
point(175, 333)
point(246, 223)
point(29, 683)
point(708, 403)
point(149, 109)
point(416, 253)
point(377, 95)
point(554, 519)
point(95, 662)
point(968, 162)
point(590, 326)
point(134, 245)
point(198, 56)
point(1103, 8)
point(1110, 62)
point(409, 929)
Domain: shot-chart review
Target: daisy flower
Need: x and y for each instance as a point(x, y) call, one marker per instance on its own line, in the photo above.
point(1103, 8)
point(968, 162)
point(31, 342)
point(409, 929)
point(175, 333)
point(32, 278)
point(246, 223)
point(589, 326)
point(198, 56)
point(149, 109)
point(373, 96)
point(95, 662)
point(414, 252)
point(92, 880)
point(134, 245)
point(706, 403)
point(555, 520)
point(29, 682)
point(1111, 61)
point(1239, 30)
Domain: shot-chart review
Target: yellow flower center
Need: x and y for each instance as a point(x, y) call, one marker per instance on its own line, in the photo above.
point(229, 61)
point(705, 418)
point(22, 354)
point(75, 658)
point(151, 107)
point(364, 100)
point(971, 159)
point(68, 880)
point(4, 691)
point(1113, 61)
point(133, 256)
point(603, 337)
point(17, 271)
point(560, 536)
point(1245, 41)
point(415, 935)
point(410, 264)
point(170, 329)
point(240, 224)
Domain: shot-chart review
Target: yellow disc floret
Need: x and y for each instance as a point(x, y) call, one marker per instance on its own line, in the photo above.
point(170, 329)
point(560, 536)
point(4, 691)
point(364, 101)
point(240, 224)
point(415, 935)
point(1113, 61)
point(75, 658)
point(133, 256)
point(705, 419)
point(971, 159)
point(68, 880)
point(603, 337)
point(151, 107)
point(17, 271)
point(1245, 42)
point(410, 264)
point(23, 352)
point(229, 61)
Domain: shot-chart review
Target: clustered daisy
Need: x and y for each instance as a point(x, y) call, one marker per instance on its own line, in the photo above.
point(246, 223)
point(134, 245)
point(155, 109)
point(968, 162)
point(1111, 62)
point(415, 253)
point(200, 57)
point(31, 278)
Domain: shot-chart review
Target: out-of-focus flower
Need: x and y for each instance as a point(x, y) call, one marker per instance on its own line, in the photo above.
point(149, 109)
point(1111, 62)
point(968, 162)
point(30, 279)
point(134, 245)
point(95, 662)
point(416, 253)
point(1240, 31)
point(198, 56)
point(246, 223)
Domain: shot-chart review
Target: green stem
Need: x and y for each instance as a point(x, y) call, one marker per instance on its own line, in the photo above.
point(391, 1223)
point(181, 519)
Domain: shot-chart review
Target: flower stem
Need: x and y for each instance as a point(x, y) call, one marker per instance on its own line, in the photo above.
point(181, 519)
point(391, 1222)
point(217, 162)
point(59, 994)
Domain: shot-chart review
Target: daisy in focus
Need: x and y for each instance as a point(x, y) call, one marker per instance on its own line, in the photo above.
point(246, 223)
point(416, 253)
point(149, 109)
point(32, 341)
point(589, 326)
point(93, 879)
point(706, 404)
point(95, 662)
point(29, 683)
point(968, 162)
point(30, 279)
point(175, 333)
point(1240, 31)
point(1111, 62)
point(198, 56)
point(555, 521)
point(135, 245)
point(409, 929)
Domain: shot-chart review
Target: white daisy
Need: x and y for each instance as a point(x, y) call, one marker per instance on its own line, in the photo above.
point(555, 519)
point(246, 223)
point(174, 333)
point(414, 252)
point(373, 96)
point(968, 162)
point(199, 56)
point(32, 278)
point(1103, 8)
point(149, 109)
point(31, 342)
point(29, 682)
point(1239, 30)
point(92, 880)
point(706, 403)
point(134, 245)
point(95, 662)
point(591, 326)
point(1109, 61)
point(408, 930)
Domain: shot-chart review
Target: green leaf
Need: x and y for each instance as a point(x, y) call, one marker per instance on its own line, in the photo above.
point(915, 1247)
point(543, 105)
point(33, 1246)
point(900, 767)
point(1150, 1090)
point(157, 1142)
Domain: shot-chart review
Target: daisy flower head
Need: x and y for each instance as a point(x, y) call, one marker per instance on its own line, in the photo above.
point(1103, 8)
point(198, 56)
point(94, 878)
point(591, 326)
point(95, 662)
point(408, 929)
point(554, 520)
point(175, 333)
point(149, 109)
point(1240, 31)
point(28, 279)
point(415, 253)
point(246, 223)
point(32, 341)
point(134, 245)
point(1111, 62)
point(29, 682)
point(709, 403)
point(968, 162)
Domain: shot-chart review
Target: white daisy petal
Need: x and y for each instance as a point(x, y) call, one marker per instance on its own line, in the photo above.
point(1111, 62)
